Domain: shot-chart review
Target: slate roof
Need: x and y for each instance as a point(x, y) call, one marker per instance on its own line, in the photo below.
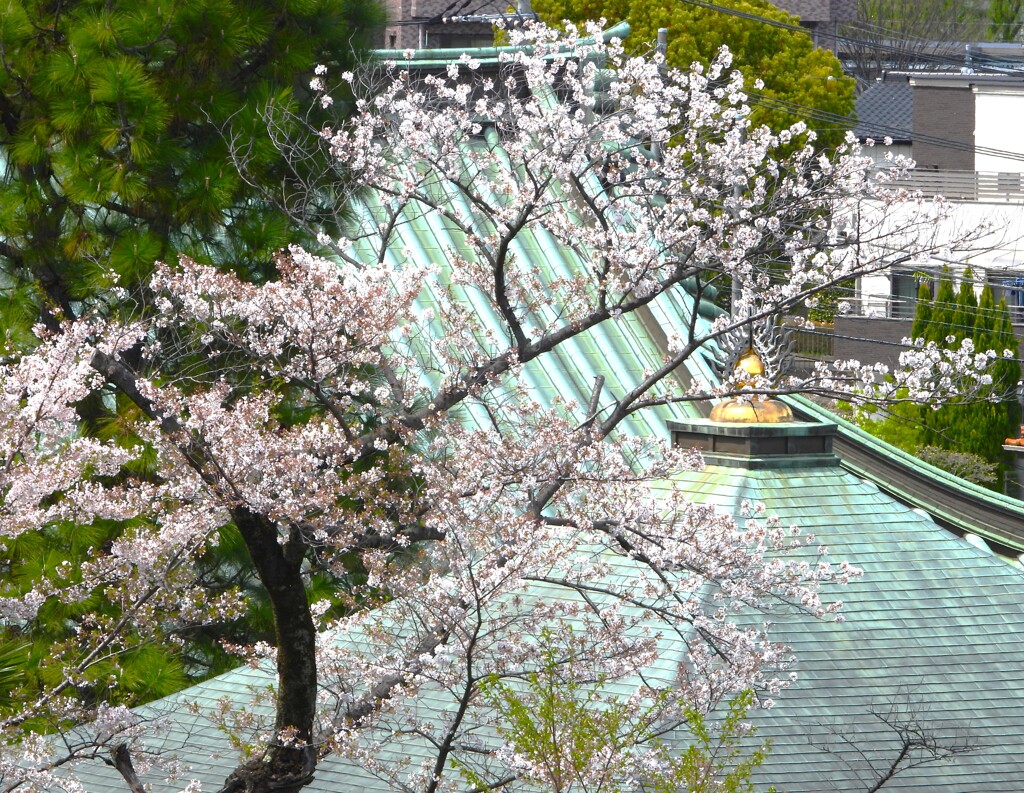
point(886, 109)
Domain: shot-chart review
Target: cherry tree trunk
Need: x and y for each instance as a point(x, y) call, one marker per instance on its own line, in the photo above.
point(288, 765)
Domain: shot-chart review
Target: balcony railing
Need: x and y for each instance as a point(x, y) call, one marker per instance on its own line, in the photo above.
point(810, 342)
point(967, 185)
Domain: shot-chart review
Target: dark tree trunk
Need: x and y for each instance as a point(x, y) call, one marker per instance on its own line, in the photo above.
point(284, 768)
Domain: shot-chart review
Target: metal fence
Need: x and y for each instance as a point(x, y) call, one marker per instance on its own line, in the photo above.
point(817, 342)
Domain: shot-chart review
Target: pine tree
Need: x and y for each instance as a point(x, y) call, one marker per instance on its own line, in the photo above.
point(117, 122)
point(114, 128)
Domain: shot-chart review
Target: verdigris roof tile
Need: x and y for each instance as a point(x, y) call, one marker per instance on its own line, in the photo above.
point(933, 639)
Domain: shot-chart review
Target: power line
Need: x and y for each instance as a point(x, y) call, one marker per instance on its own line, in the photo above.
point(804, 111)
point(886, 343)
point(836, 36)
point(849, 122)
point(816, 114)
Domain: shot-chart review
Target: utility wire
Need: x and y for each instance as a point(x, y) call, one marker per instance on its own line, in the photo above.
point(938, 59)
point(979, 60)
point(885, 343)
point(816, 114)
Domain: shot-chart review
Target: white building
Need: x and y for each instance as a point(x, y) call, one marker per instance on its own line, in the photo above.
point(963, 131)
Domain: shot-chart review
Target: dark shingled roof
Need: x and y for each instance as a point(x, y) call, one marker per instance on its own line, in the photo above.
point(886, 109)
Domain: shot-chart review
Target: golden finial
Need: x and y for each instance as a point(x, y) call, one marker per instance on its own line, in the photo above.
point(750, 363)
point(755, 410)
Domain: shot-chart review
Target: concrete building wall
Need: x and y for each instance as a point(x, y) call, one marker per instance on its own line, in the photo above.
point(870, 339)
point(413, 36)
point(877, 340)
point(820, 10)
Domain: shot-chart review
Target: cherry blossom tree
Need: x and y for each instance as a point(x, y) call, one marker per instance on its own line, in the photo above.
point(367, 415)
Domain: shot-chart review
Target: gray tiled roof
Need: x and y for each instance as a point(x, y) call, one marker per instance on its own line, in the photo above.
point(886, 109)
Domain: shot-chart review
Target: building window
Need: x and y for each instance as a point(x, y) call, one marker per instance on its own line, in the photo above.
point(1011, 289)
point(903, 294)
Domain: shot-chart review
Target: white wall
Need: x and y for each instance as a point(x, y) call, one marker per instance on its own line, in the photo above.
point(879, 150)
point(999, 124)
point(999, 251)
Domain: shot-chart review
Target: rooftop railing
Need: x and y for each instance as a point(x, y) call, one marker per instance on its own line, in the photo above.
point(967, 185)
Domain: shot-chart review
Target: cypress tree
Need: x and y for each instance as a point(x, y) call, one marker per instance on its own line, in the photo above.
point(976, 427)
point(923, 313)
point(1006, 375)
point(943, 312)
point(966, 312)
point(956, 425)
point(985, 320)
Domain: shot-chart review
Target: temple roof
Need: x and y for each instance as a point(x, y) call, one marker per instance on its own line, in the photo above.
point(932, 639)
point(930, 645)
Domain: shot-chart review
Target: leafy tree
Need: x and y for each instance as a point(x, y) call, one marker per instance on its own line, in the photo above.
point(374, 413)
point(569, 732)
point(792, 69)
point(114, 153)
point(1005, 19)
point(964, 439)
point(908, 34)
point(966, 465)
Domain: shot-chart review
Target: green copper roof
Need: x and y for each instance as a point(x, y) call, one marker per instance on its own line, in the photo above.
point(932, 640)
point(957, 504)
point(619, 350)
point(440, 58)
point(934, 635)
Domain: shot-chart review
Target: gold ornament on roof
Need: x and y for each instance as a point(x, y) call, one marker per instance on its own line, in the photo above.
point(750, 363)
point(755, 410)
